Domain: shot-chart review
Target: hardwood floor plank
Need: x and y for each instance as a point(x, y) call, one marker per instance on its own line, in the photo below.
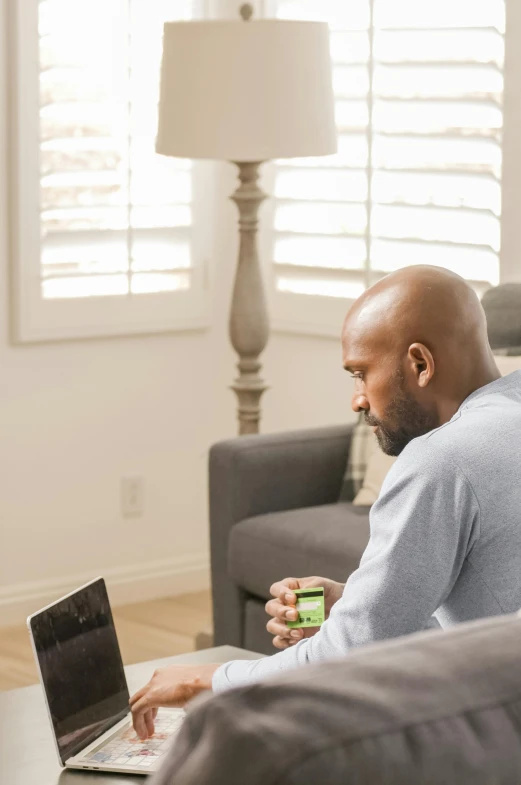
point(202, 600)
point(171, 614)
point(140, 642)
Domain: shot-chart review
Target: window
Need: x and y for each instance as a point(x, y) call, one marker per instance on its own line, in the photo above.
point(105, 239)
point(417, 176)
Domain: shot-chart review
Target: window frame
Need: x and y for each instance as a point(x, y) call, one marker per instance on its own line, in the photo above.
point(318, 315)
point(510, 253)
point(35, 319)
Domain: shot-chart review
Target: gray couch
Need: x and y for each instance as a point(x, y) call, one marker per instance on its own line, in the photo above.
point(435, 708)
point(274, 512)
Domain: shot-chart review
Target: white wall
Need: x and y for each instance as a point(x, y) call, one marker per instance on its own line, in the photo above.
point(308, 386)
point(76, 417)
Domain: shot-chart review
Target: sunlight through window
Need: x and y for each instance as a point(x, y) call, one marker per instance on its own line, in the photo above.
point(417, 177)
point(115, 217)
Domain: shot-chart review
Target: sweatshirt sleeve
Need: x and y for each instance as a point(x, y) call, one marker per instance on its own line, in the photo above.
point(422, 526)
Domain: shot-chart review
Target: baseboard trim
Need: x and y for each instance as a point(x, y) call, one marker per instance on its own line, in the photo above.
point(131, 583)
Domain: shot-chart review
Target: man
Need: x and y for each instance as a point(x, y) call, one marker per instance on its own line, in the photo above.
point(446, 528)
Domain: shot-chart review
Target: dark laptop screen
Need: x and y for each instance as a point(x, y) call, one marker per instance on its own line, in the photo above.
point(81, 667)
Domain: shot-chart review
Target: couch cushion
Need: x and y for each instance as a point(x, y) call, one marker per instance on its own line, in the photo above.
point(436, 708)
point(327, 540)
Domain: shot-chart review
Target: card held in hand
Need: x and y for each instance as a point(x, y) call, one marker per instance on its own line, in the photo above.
point(310, 607)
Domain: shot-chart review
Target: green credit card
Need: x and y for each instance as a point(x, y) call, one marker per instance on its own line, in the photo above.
point(310, 607)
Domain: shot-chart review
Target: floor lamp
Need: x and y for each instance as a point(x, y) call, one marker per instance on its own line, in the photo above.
point(246, 91)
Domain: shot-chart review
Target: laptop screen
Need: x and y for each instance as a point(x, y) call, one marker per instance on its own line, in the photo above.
point(81, 667)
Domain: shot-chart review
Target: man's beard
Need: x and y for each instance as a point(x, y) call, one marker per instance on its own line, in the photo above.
point(405, 420)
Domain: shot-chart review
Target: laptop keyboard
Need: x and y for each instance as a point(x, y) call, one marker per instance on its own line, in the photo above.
point(125, 748)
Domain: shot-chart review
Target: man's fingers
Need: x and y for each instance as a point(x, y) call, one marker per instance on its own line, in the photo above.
point(272, 607)
point(287, 597)
point(138, 695)
point(149, 721)
point(275, 627)
point(139, 710)
point(283, 587)
point(284, 643)
point(140, 706)
point(140, 727)
point(278, 610)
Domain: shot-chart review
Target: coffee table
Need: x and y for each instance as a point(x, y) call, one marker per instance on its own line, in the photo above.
point(27, 751)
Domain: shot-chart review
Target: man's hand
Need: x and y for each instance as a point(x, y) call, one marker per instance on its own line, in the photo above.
point(173, 687)
point(282, 608)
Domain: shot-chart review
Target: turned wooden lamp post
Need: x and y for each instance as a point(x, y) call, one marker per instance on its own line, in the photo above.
point(246, 91)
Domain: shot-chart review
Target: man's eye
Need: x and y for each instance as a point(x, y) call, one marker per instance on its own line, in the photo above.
point(357, 376)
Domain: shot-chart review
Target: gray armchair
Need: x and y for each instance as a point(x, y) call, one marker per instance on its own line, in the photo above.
point(274, 512)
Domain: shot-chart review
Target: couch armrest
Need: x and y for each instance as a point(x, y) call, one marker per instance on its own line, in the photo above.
point(253, 475)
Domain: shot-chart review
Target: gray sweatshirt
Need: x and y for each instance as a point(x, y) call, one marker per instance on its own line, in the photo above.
point(445, 538)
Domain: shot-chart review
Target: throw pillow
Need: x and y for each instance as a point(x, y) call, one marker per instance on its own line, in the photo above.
point(377, 467)
point(359, 452)
point(507, 364)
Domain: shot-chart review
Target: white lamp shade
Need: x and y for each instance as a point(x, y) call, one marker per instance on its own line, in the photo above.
point(246, 91)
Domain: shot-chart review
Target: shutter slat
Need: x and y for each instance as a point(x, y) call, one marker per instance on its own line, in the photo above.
point(321, 185)
point(423, 14)
point(476, 263)
point(483, 45)
point(454, 171)
point(348, 15)
point(321, 218)
point(450, 29)
point(113, 285)
point(113, 217)
point(478, 227)
point(349, 284)
point(311, 251)
point(465, 134)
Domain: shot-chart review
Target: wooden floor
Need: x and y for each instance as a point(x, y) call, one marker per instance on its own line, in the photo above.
point(146, 631)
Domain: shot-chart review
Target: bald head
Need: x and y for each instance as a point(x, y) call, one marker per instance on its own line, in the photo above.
point(422, 304)
point(417, 345)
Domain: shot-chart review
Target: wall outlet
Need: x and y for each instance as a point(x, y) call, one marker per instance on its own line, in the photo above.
point(132, 497)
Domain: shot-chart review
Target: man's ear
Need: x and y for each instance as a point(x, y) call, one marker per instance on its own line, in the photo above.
point(421, 363)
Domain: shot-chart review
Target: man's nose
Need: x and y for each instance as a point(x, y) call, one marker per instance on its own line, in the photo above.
point(359, 403)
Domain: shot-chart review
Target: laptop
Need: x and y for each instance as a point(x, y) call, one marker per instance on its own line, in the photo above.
point(81, 671)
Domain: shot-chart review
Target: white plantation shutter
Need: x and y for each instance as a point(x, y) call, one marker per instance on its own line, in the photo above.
point(115, 220)
point(417, 177)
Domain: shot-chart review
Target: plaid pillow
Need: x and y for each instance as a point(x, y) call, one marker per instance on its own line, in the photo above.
point(361, 447)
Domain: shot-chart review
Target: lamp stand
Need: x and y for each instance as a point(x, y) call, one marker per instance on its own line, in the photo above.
point(249, 327)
